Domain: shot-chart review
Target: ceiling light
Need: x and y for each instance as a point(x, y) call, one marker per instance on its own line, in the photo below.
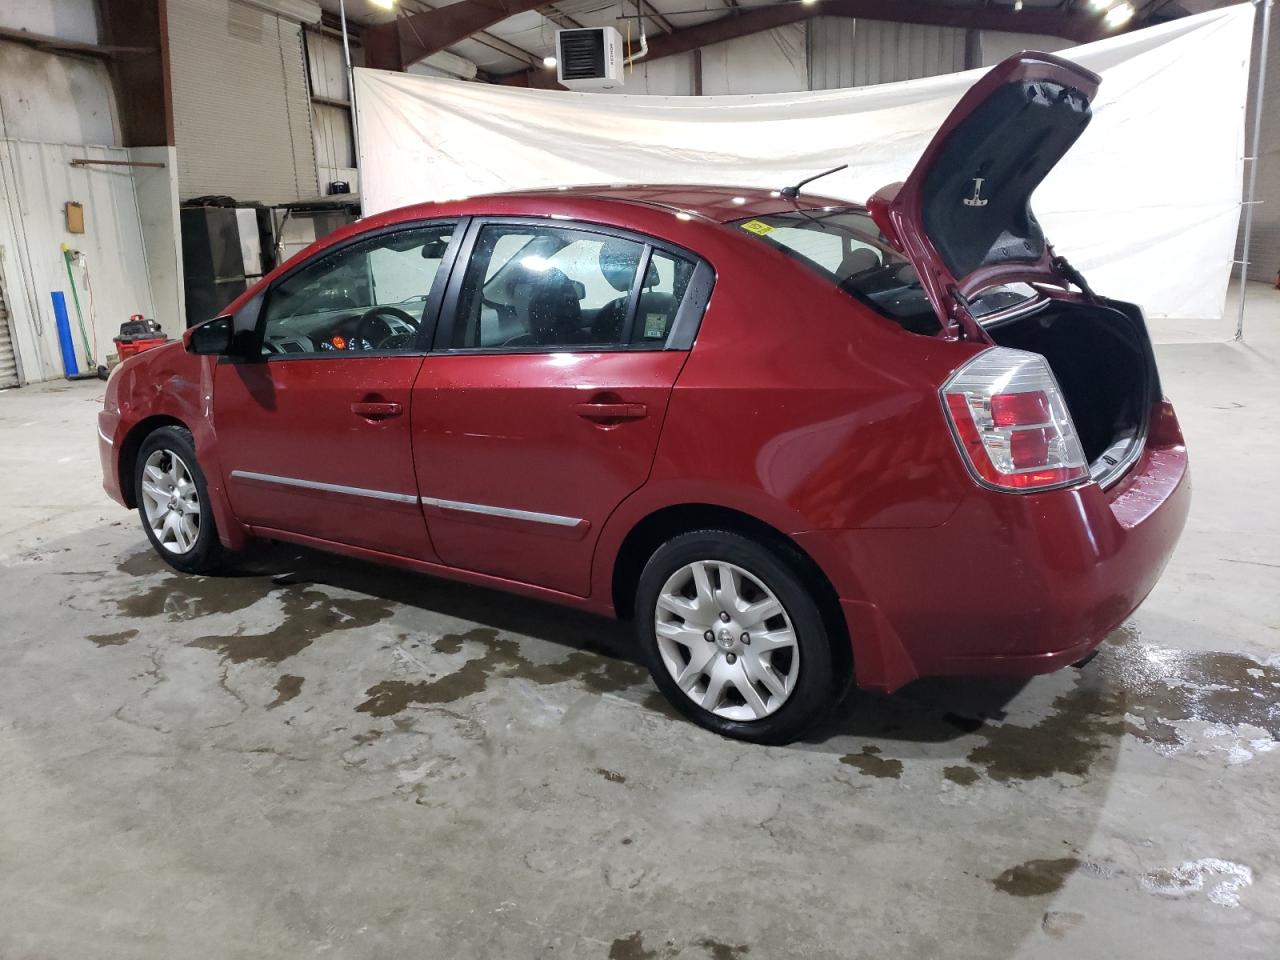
point(383, 4)
point(1100, 4)
point(548, 62)
point(1119, 15)
point(1017, 5)
point(808, 3)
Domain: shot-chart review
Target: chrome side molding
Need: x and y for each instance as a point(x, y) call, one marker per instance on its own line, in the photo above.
point(327, 487)
point(509, 513)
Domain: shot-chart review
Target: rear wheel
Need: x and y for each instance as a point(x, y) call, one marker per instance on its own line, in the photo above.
point(173, 502)
point(734, 638)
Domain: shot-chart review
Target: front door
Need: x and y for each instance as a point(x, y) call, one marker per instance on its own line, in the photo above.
point(540, 409)
point(314, 434)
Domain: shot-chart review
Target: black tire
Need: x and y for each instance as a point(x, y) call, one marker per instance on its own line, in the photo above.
point(206, 554)
point(816, 686)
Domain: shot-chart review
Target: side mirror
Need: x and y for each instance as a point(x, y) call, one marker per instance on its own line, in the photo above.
point(213, 337)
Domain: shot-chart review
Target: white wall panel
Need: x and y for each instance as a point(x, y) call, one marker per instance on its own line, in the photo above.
point(54, 98)
point(36, 179)
point(770, 62)
point(326, 65)
point(668, 77)
point(856, 53)
point(66, 19)
point(242, 117)
point(156, 190)
point(997, 45)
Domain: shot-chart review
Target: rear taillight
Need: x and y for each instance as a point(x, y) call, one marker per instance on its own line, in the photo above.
point(1011, 422)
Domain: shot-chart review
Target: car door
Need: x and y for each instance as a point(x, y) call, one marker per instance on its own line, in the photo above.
point(314, 428)
point(540, 408)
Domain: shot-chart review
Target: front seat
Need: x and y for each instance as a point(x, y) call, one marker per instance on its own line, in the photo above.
point(555, 309)
point(619, 261)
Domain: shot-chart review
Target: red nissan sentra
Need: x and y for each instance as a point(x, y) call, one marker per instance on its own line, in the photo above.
point(799, 442)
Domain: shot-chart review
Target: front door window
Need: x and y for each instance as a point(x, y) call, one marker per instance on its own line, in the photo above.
point(365, 296)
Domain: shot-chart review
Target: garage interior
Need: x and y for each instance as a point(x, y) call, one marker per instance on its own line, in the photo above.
point(320, 755)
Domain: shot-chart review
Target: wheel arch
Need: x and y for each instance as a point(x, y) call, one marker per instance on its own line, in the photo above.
point(127, 459)
point(659, 526)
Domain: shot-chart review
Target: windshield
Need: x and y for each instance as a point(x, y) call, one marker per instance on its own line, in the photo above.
point(847, 247)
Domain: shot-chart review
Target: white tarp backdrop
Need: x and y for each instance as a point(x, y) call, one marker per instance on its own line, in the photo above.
point(1146, 204)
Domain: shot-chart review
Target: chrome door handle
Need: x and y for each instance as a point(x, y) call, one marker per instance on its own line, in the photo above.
point(610, 412)
point(376, 410)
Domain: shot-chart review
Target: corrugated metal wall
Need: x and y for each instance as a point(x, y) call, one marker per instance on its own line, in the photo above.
point(854, 53)
point(769, 62)
point(242, 120)
point(331, 125)
point(1264, 252)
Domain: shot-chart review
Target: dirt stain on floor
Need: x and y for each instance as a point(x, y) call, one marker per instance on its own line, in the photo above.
point(308, 615)
point(723, 951)
point(1137, 689)
point(1036, 878)
point(1083, 724)
point(964, 776)
point(501, 658)
point(287, 687)
point(631, 948)
point(112, 639)
point(870, 763)
point(611, 775)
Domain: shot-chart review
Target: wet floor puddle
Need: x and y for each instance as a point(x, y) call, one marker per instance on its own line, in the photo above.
point(1170, 700)
point(500, 658)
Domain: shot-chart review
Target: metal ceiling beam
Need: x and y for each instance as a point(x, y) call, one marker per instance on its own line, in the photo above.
point(750, 20)
point(745, 21)
point(483, 37)
point(408, 39)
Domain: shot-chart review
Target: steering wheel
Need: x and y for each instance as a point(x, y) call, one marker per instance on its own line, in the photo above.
point(380, 335)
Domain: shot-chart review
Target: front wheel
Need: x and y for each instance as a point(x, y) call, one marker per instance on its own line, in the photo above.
point(173, 501)
point(734, 638)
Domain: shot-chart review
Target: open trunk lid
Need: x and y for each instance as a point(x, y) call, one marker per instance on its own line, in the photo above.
point(964, 214)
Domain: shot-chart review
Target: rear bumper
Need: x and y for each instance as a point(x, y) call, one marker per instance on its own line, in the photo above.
point(1010, 584)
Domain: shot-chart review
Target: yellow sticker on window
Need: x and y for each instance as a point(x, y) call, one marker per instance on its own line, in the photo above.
point(655, 325)
point(758, 227)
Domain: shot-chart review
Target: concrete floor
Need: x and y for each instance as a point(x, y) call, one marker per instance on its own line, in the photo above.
point(320, 756)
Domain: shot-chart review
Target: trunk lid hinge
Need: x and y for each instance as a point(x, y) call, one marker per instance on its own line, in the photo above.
point(1071, 274)
point(966, 326)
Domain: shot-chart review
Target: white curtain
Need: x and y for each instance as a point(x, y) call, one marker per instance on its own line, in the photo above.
point(1146, 204)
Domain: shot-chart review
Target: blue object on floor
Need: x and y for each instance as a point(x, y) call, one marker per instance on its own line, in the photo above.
point(69, 365)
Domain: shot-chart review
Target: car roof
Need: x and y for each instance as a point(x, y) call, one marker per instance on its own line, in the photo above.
point(718, 203)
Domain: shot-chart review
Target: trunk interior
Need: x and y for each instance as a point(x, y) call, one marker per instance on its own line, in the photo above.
point(1101, 356)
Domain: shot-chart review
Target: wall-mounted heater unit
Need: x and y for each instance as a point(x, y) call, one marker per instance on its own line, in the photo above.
point(589, 59)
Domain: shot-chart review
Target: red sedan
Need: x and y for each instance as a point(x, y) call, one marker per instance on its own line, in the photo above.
point(798, 442)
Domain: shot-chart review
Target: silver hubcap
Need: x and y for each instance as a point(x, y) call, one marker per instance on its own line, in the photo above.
point(726, 640)
point(171, 502)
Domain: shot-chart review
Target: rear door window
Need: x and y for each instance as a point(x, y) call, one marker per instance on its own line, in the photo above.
point(551, 287)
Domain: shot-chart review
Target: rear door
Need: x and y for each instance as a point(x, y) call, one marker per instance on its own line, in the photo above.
point(314, 431)
point(539, 410)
